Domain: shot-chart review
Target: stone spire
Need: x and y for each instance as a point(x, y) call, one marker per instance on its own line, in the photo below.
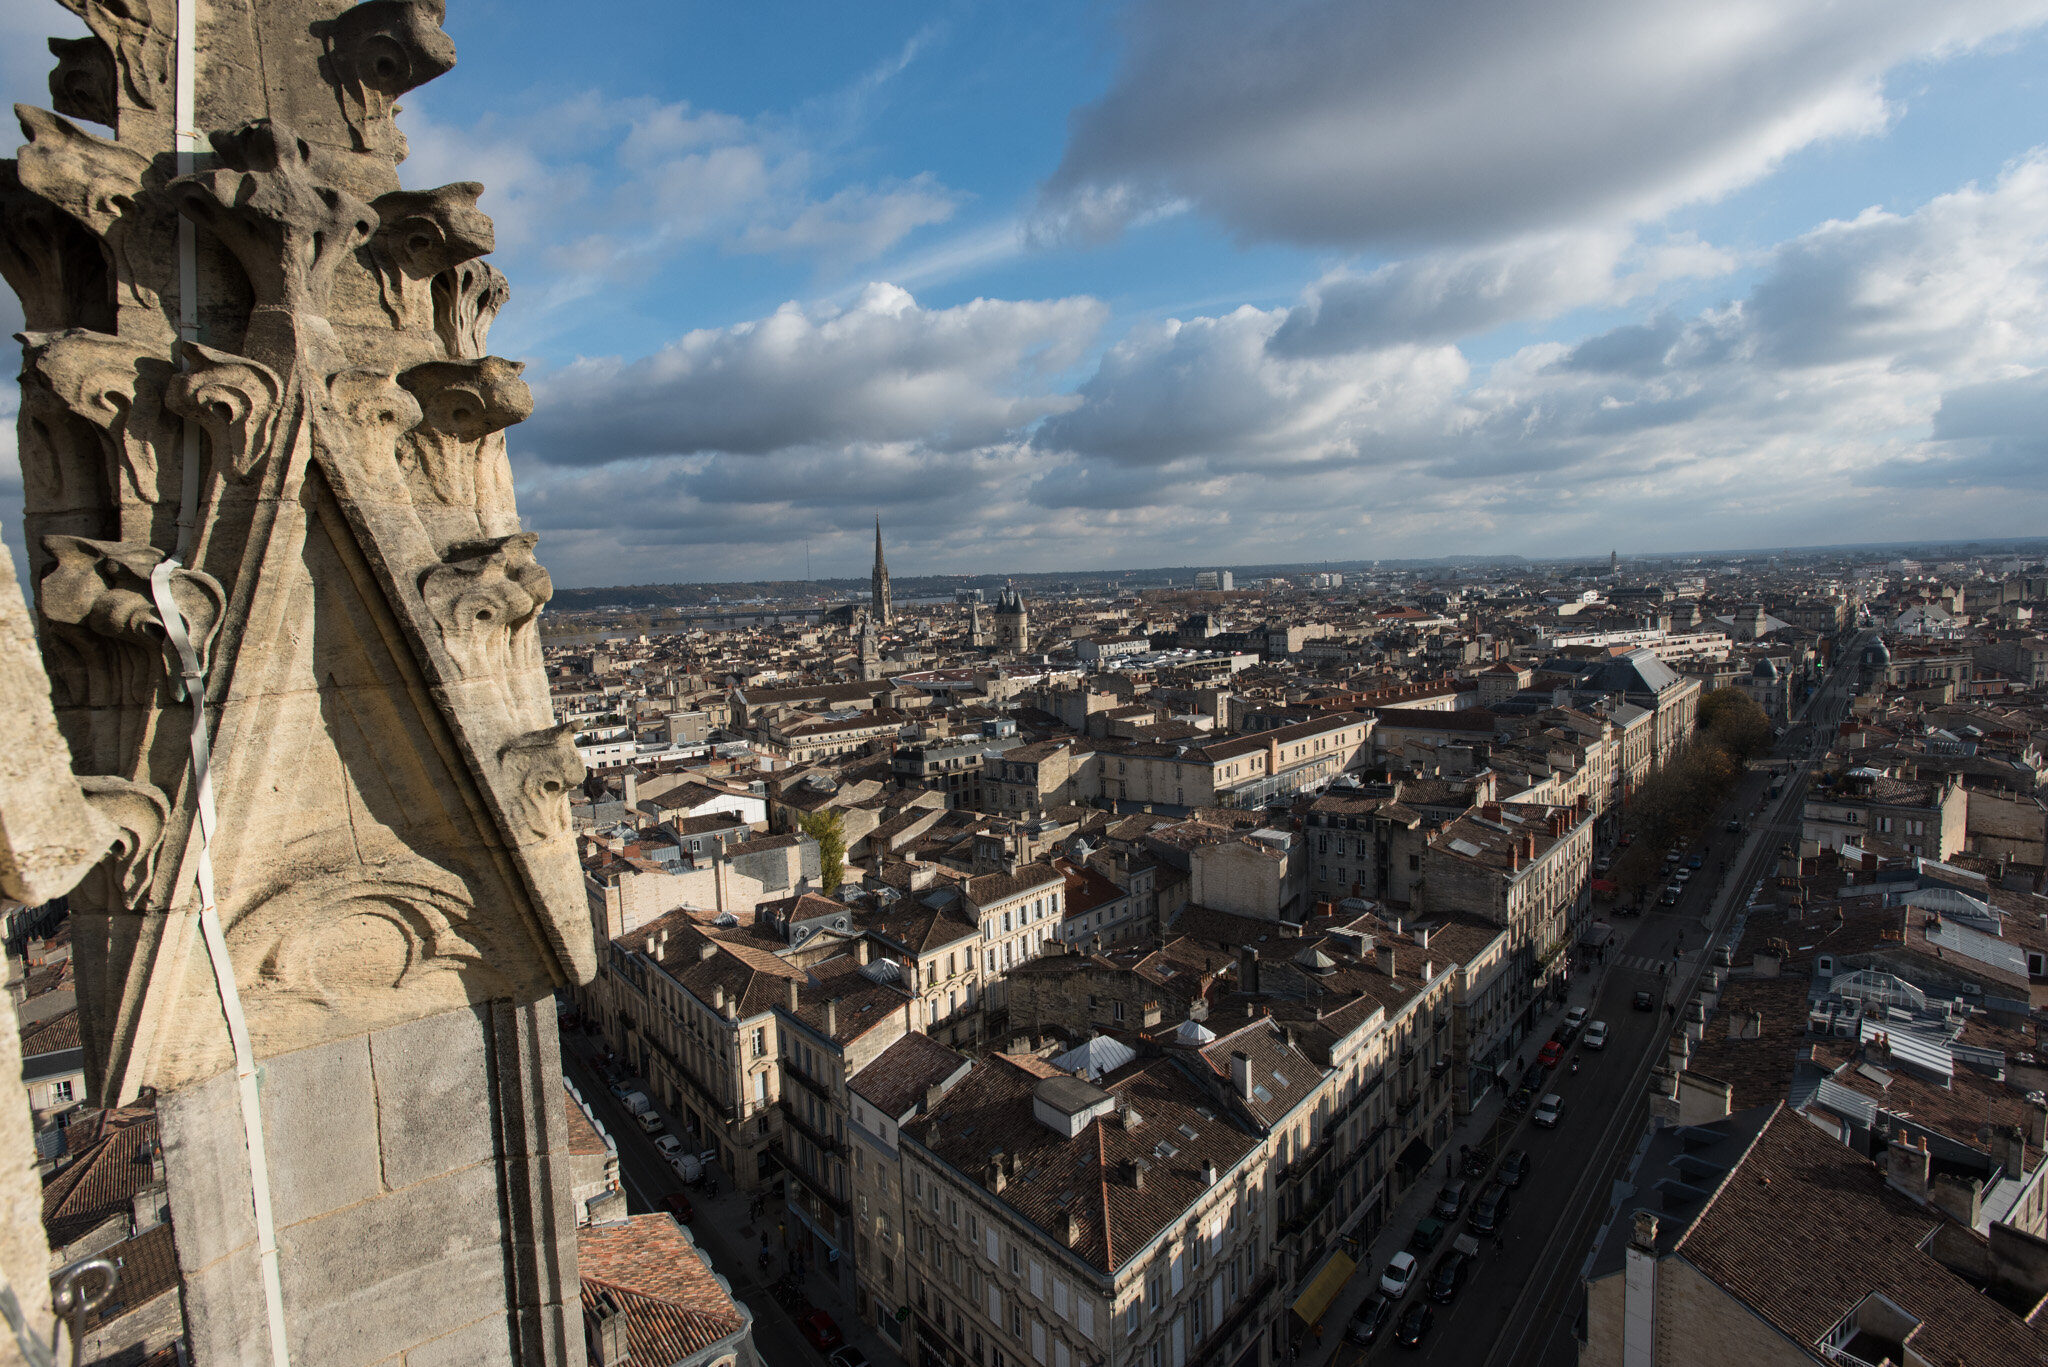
point(881, 607)
point(270, 517)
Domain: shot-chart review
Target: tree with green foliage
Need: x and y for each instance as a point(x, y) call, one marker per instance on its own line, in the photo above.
point(1732, 718)
point(827, 829)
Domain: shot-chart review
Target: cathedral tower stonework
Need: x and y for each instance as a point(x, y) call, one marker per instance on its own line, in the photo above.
point(290, 627)
point(880, 605)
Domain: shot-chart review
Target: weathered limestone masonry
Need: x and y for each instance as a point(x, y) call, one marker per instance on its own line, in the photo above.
point(256, 400)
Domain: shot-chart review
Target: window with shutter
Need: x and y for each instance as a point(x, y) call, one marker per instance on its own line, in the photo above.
point(1037, 1341)
point(1037, 1280)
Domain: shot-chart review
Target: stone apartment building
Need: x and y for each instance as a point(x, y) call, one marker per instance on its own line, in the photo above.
point(1121, 1222)
point(1029, 779)
point(933, 939)
point(1927, 817)
point(1521, 866)
point(1242, 771)
point(1018, 910)
point(891, 1090)
point(691, 1006)
point(1263, 874)
point(1374, 1009)
point(838, 1021)
point(1362, 844)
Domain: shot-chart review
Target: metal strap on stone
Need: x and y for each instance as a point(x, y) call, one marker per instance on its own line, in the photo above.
point(193, 679)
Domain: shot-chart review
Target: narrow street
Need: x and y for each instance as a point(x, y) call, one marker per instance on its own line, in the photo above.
point(1521, 1304)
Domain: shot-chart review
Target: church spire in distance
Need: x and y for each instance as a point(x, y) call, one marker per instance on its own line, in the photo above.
point(881, 608)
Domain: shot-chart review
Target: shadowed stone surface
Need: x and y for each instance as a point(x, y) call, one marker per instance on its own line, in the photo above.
point(316, 437)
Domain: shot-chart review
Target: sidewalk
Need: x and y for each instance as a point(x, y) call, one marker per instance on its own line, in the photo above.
point(1415, 1206)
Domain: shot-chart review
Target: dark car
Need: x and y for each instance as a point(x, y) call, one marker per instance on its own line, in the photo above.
point(1369, 1319)
point(849, 1356)
point(1644, 1002)
point(1474, 1163)
point(1551, 1053)
point(1450, 1202)
point(678, 1205)
point(1533, 1077)
point(1734, 825)
point(1490, 1209)
point(1448, 1277)
point(1413, 1325)
point(1514, 1169)
point(819, 1331)
point(1696, 862)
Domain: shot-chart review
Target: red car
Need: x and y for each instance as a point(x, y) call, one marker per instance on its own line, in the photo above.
point(1551, 1054)
point(819, 1331)
point(678, 1205)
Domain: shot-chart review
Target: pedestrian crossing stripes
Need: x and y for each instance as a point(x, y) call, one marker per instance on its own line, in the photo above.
point(1647, 963)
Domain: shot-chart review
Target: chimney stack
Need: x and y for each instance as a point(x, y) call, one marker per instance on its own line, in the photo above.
point(860, 950)
point(1247, 968)
point(1907, 1166)
point(793, 994)
point(832, 1018)
point(994, 1179)
point(1241, 1074)
point(1388, 964)
point(718, 998)
point(706, 950)
point(1208, 1173)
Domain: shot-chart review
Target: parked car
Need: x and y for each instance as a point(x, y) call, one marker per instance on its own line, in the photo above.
point(636, 1102)
point(1447, 1278)
point(668, 1146)
point(1514, 1168)
point(1644, 1002)
point(1399, 1276)
point(1602, 864)
point(1547, 1111)
point(1428, 1234)
point(1696, 862)
point(1550, 1054)
point(1369, 1319)
point(650, 1123)
point(1490, 1209)
point(1682, 877)
point(1669, 897)
point(1628, 838)
point(1596, 1035)
point(678, 1205)
point(849, 1356)
point(1450, 1202)
point(1734, 825)
point(1575, 1019)
point(1533, 1077)
point(1413, 1325)
point(819, 1331)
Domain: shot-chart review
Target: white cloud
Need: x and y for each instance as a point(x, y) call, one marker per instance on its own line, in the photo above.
point(884, 370)
point(857, 223)
point(1443, 296)
point(592, 195)
point(1336, 122)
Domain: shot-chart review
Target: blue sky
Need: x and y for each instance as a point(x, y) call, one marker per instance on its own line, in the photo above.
point(1081, 285)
